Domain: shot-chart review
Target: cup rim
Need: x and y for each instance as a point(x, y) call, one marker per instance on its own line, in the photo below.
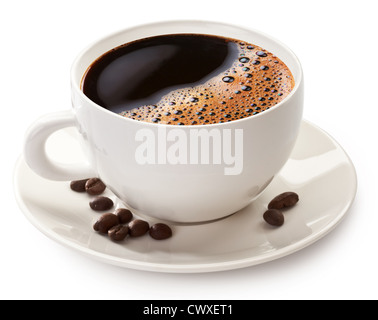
point(76, 85)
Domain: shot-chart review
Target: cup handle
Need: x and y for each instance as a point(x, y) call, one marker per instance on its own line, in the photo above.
point(35, 151)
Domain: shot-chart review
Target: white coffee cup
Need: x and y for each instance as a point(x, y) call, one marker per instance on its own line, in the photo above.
point(156, 183)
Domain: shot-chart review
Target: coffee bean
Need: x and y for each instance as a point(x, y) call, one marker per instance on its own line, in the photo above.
point(124, 215)
point(101, 204)
point(94, 186)
point(78, 185)
point(160, 231)
point(118, 232)
point(274, 217)
point(105, 222)
point(138, 228)
point(284, 200)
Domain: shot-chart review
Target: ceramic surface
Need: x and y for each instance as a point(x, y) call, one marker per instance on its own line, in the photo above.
point(318, 170)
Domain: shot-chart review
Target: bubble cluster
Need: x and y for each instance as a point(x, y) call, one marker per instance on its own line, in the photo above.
point(256, 81)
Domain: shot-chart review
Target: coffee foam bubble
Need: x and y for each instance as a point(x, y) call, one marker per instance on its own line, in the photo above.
point(255, 82)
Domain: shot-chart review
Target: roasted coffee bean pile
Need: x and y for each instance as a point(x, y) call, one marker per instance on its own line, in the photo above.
point(274, 215)
point(118, 224)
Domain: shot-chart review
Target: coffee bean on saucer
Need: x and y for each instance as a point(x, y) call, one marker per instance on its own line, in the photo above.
point(124, 215)
point(101, 204)
point(94, 186)
point(78, 185)
point(138, 228)
point(118, 232)
point(284, 200)
point(274, 217)
point(105, 222)
point(160, 231)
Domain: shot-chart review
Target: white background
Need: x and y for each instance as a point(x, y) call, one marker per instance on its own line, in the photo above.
point(337, 44)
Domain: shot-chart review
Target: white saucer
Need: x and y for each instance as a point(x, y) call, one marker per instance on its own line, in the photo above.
point(318, 170)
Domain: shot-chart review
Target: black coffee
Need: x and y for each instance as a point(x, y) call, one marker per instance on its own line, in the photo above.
point(187, 79)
